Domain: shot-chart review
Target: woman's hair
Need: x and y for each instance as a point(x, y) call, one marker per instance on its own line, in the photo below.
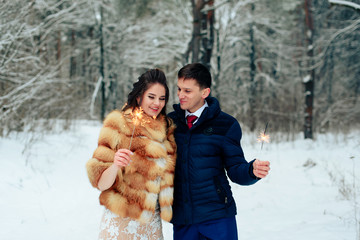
point(145, 81)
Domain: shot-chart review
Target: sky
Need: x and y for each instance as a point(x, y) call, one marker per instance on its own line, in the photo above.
point(312, 191)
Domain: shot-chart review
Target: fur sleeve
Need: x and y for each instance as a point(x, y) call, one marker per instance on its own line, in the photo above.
point(171, 138)
point(109, 139)
point(167, 181)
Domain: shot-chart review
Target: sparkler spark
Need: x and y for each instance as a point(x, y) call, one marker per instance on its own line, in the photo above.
point(136, 119)
point(263, 137)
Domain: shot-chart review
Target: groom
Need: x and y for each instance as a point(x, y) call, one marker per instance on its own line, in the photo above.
point(208, 150)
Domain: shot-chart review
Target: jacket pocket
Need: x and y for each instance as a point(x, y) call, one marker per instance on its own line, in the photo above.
point(220, 191)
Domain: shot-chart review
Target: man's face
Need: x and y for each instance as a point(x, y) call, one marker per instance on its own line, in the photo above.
point(191, 96)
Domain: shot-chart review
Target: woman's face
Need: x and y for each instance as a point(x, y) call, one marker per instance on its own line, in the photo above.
point(153, 100)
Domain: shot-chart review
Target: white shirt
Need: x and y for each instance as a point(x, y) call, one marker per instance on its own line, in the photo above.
point(197, 112)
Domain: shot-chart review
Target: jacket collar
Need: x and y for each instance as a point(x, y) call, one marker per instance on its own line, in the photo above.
point(210, 112)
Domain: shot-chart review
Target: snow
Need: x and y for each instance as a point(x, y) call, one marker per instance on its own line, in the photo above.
point(306, 79)
point(312, 191)
point(345, 3)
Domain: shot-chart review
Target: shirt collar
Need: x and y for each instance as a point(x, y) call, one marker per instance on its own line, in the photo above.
point(197, 112)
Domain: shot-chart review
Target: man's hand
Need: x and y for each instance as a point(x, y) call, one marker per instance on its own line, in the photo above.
point(261, 168)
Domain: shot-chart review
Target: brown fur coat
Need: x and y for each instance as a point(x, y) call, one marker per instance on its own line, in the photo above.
point(150, 175)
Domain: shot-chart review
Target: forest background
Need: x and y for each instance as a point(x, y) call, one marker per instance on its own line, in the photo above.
point(294, 64)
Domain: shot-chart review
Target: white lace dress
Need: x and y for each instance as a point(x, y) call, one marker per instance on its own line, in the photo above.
point(114, 227)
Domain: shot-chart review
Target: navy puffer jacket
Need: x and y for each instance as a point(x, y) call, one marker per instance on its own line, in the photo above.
point(201, 188)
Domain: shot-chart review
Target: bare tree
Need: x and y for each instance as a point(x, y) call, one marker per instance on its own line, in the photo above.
point(336, 61)
point(256, 79)
point(345, 3)
point(310, 76)
point(62, 59)
point(31, 70)
point(202, 42)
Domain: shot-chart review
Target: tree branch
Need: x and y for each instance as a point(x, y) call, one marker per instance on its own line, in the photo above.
point(345, 3)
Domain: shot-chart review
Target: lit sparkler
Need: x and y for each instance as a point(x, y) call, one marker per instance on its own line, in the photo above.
point(136, 119)
point(263, 137)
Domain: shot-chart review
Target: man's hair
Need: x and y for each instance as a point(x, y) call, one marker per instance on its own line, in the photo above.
point(198, 72)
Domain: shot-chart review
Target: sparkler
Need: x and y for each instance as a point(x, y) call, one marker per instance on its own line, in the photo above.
point(136, 119)
point(263, 137)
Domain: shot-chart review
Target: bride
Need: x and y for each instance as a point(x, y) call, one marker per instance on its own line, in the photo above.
point(133, 165)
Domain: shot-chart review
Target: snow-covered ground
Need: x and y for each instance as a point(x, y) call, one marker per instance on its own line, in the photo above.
point(312, 191)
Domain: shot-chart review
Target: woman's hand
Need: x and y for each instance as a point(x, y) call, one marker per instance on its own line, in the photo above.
point(122, 157)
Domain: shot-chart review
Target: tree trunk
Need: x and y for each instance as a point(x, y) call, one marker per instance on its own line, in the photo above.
point(309, 79)
point(252, 95)
point(195, 48)
point(202, 41)
point(207, 34)
point(101, 67)
point(58, 47)
point(73, 57)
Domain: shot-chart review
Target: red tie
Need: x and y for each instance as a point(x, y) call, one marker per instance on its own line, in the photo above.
point(190, 119)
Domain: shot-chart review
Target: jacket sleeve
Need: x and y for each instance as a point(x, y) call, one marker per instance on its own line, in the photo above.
point(238, 169)
point(103, 155)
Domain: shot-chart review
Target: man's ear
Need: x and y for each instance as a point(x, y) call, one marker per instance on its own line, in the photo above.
point(205, 93)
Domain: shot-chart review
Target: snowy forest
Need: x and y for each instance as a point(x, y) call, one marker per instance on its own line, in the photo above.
point(292, 63)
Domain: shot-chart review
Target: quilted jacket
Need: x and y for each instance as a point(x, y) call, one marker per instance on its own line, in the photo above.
point(206, 154)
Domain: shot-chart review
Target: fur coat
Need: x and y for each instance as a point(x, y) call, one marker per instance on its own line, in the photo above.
point(150, 175)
